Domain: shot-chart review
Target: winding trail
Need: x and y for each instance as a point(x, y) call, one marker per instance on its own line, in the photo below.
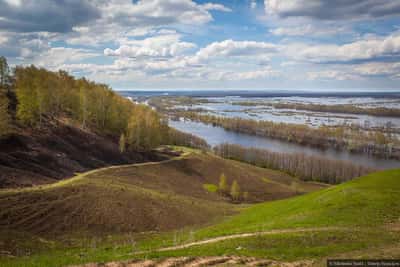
point(244, 235)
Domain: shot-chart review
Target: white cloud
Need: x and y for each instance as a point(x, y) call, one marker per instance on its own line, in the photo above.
point(332, 9)
point(378, 68)
point(253, 4)
point(337, 75)
point(58, 56)
point(310, 30)
point(168, 45)
point(365, 49)
point(218, 7)
point(230, 48)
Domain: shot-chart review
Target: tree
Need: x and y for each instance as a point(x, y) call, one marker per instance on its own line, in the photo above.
point(4, 73)
point(5, 126)
point(122, 143)
point(223, 185)
point(27, 111)
point(235, 191)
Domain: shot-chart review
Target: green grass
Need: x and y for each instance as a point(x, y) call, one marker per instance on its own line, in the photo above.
point(288, 247)
point(368, 201)
point(212, 188)
point(361, 209)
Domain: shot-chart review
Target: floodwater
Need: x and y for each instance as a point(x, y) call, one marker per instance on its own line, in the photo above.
point(218, 135)
point(263, 110)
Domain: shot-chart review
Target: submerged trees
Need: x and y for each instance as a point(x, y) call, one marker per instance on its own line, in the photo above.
point(308, 168)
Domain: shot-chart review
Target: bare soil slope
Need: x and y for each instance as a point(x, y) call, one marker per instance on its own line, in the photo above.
point(57, 150)
point(134, 198)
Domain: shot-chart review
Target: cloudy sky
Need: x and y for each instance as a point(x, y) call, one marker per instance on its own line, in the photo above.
point(212, 44)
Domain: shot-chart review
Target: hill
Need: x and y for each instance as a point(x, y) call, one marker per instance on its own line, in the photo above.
point(360, 217)
point(357, 218)
point(57, 150)
point(158, 196)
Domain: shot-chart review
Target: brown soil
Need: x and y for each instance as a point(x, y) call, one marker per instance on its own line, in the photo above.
point(154, 196)
point(55, 151)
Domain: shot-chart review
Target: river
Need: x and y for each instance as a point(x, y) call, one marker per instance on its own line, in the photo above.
point(218, 135)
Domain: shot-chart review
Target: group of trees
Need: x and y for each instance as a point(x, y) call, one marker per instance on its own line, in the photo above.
point(43, 95)
point(307, 168)
point(5, 84)
point(342, 108)
point(351, 139)
point(179, 138)
point(234, 192)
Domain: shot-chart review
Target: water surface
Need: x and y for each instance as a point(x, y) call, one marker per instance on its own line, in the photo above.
point(217, 135)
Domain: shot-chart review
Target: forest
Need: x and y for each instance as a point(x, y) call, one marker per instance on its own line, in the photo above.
point(341, 138)
point(307, 168)
point(30, 96)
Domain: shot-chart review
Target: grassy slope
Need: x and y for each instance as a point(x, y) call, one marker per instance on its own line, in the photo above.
point(364, 208)
point(132, 199)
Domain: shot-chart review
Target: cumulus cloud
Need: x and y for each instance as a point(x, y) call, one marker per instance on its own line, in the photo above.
point(365, 49)
point(332, 75)
point(218, 7)
point(391, 69)
point(231, 48)
point(168, 45)
point(310, 30)
point(155, 12)
point(54, 57)
point(46, 16)
point(332, 9)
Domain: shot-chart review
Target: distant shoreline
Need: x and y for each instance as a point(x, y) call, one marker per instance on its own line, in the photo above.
point(257, 93)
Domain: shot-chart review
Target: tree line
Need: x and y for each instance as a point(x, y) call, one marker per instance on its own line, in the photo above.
point(307, 168)
point(352, 139)
point(343, 108)
point(41, 95)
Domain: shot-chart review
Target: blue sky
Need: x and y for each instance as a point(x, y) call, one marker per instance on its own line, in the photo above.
point(188, 44)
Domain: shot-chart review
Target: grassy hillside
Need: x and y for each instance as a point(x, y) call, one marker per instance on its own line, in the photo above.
point(360, 216)
point(158, 196)
point(349, 219)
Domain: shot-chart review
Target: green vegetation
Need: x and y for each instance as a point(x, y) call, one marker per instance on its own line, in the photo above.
point(235, 191)
point(212, 188)
point(223, 184)
point(5, 118)
point(369, 201)
point(352, 217)
point(44, 96)
point(5, 121)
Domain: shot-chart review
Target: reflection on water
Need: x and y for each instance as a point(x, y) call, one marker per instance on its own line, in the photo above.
point(218, 135)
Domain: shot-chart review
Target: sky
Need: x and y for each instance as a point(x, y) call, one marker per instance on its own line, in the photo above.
point(212, 44)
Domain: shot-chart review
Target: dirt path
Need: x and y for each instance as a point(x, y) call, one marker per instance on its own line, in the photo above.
point(271, 232)
point(226, 261)
point(216, 260)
